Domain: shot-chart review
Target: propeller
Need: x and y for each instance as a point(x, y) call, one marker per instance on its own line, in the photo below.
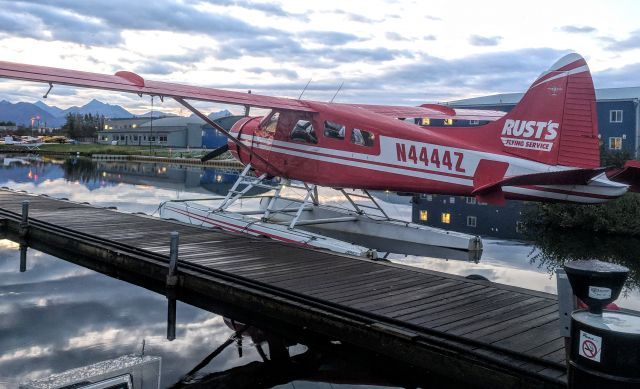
point(220, 150)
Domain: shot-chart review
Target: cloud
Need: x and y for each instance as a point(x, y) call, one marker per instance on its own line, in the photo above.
point(617, 77)
point(631, 43)
point(394, 36)
point(427, 78)
point(288, 50)
point(354, 17)
point(267, 8)
point(477, 40)
point(329, 38)
point(157, 68)
point(286, 73)
point(102, 22)
point(578, 29)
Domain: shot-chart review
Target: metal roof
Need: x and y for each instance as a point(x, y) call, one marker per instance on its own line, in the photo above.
point(602, 94)
point(174, 121)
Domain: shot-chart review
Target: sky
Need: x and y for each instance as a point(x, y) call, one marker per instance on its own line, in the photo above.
point(385, 52)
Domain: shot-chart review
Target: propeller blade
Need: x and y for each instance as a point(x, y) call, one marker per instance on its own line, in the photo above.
point(220, 150)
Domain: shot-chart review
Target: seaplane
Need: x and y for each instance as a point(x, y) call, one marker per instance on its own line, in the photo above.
point(29, 142)
point(545, 149)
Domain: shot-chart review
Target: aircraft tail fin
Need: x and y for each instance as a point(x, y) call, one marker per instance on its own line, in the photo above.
point(555, 122)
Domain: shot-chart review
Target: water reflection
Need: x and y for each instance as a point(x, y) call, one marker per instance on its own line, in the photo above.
point(557, 247)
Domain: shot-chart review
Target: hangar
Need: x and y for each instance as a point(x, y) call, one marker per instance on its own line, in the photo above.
point(174, 131)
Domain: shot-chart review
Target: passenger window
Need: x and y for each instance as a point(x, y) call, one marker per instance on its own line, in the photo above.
point(362, 137)
point(334, 130)
point(304, 132)
point(272, 124)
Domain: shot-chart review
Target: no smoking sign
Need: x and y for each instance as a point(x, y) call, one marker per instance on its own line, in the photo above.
point(590, 346)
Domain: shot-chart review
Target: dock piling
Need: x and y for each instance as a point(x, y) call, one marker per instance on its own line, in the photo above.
point(24, 223)
point(566, 305)
point(172, 281)
point(23, 258)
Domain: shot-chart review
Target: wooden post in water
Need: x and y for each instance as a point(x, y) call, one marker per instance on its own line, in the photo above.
point(172, 281)
point(23, 258)
point(24, 223)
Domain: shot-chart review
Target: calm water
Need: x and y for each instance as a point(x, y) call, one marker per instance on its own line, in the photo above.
point(57, 315)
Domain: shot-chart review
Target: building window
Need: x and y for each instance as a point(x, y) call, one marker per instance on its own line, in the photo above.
point(471, 221)
point(424, 215)
point(615, 116)
point(471, 200)
point(426, 121)
point(452, 200)
point(520, 227)
point(427, 197)
point(445, 218)
point(448, 122)
point(163, 138)
point(615, 143)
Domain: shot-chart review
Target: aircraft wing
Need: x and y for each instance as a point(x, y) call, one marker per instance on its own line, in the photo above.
point(629, 175)
point(129, 82)
point(132, 83)
point(432, 111)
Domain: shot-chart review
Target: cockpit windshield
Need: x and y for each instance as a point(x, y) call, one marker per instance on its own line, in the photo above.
point(270, 122)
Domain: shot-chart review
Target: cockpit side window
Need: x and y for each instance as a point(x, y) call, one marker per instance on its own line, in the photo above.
point(272, 123)
point(334, 130)
point(303, 132)
point(362, 137)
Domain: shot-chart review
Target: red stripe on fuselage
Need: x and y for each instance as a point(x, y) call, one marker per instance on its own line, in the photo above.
point(415, 169)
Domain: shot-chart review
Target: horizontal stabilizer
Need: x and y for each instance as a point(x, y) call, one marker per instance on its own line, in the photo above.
point(564, 177)
point(629, 175)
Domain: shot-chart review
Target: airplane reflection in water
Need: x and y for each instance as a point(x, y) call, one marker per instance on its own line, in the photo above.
point(65, 316)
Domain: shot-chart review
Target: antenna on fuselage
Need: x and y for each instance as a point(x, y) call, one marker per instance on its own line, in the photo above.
point(338, 91)
point(304, 89)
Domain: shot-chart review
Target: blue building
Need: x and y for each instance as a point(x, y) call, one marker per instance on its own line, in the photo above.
point(618, 114)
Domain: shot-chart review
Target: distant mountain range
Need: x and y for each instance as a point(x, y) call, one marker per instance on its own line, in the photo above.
point(51, 116)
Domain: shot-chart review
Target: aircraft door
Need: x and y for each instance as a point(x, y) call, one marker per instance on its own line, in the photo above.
point(293, 142)
point(262, 138)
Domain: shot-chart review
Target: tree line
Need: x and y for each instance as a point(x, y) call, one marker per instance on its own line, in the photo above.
point(79, 125)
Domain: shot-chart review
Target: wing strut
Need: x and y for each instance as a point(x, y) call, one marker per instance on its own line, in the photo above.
point(226, 133)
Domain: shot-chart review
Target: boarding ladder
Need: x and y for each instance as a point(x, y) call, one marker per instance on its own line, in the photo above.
point(250, 182)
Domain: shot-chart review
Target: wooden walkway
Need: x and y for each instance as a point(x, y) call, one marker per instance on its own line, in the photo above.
point(474, 329)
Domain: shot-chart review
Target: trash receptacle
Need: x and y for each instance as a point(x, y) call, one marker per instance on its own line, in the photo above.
point(605, 345)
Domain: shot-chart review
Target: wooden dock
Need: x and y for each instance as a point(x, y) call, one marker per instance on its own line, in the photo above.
point(482, 333)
